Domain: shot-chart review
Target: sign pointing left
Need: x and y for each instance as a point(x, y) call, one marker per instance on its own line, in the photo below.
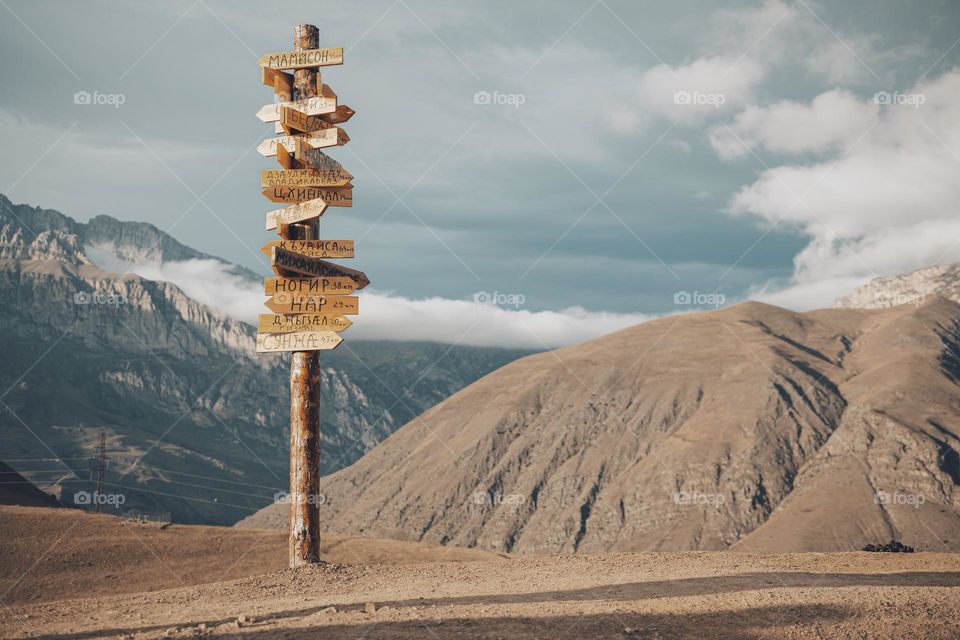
point(308, 106)
point(332, 137)
point(301, 341)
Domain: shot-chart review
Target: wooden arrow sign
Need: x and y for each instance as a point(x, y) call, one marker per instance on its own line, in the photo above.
point(332, 137)
point(306, 303)
point(293, 119)
point(302, 59)
point(298, 341)
point(289, 263)
point(340, 115)
point(305, 177)
point(309, 106)
point(288, 323)
point(309, 158)
point(313, 248)
point(281, 82)
point(332, 196)
point(298, 213)
point(340, 286)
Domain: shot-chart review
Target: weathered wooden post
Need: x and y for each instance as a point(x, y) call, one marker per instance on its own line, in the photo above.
point(305, 378)
point(307, 317)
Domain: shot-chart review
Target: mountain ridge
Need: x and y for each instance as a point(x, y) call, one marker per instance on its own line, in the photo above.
point(196, 423)
point(750, 427)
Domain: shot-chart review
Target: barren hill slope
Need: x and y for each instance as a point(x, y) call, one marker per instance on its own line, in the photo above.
point(750, 426)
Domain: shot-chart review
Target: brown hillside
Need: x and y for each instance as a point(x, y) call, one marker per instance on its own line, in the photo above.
point(750, 427)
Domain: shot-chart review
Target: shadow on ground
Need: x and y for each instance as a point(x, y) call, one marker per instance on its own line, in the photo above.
point(747, 623)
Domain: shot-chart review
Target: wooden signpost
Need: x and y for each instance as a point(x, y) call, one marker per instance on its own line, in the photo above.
point(332, 137)
point(332, 196)
point(303, 212)
point(310, 303)
point(298, 341)
point(313, 248)
point(337, 285)
point(290, 322)
point(310, 296)
point(305, 178)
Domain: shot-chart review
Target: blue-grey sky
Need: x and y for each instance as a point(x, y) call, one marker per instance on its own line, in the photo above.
point(629, 150)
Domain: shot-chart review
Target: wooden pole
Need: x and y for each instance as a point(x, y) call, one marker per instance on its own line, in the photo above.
point(305, 381)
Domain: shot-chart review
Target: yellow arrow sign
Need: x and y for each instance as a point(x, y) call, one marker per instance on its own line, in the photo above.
point(309, 106)
point(331, 196)
point(334, 285)
point(290, 263)
point(313, 248)
point(288, 323)
point(302, 59)
point(332, 137)
point(298, 213)
point(307, 303)
point(299, 341)
point(305, 178)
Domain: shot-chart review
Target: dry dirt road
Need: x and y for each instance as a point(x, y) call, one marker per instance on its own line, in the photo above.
point(623, 596)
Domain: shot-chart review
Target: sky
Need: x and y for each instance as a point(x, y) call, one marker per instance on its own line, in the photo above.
point(526, 174)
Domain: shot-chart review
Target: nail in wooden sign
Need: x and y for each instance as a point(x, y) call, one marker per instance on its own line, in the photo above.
point(298, 341)
point(313, 248)
point(288, 323)
point(339, 285)
point(307, 303)
point(302, 59)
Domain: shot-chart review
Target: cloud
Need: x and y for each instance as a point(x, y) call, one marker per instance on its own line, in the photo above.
point(831, 121)
point(705, 87)
point(387, 316)
point(890, 204)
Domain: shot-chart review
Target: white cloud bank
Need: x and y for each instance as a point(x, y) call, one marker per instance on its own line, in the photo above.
point(386, 316)
point(888, 202)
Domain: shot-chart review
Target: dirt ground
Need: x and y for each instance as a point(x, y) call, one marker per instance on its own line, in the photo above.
point(53, 554)
point(624, 596)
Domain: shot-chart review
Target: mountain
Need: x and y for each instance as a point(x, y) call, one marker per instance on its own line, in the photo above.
point(910, 288)
point(196, 422)
point(17, 490)
point(750, 428)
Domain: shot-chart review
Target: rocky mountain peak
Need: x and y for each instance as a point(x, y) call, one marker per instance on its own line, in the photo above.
point(909, 288)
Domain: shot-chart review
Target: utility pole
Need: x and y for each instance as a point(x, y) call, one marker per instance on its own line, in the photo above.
point(100, 467)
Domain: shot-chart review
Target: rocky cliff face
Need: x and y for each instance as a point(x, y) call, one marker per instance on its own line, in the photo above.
point(751, 427)
point(910, 288)
point(197, 424)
